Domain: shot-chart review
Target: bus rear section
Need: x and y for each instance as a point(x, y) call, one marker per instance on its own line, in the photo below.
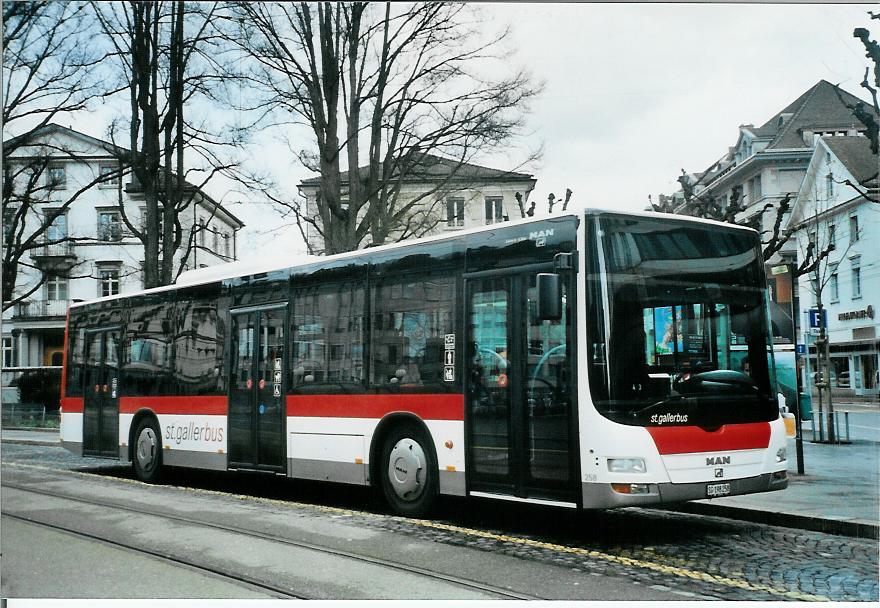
point(680, 366)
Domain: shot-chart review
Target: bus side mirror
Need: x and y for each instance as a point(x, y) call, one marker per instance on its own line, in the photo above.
point(549, 297)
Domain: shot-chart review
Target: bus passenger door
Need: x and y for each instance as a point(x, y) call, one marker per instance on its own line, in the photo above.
point(101, 394)
point(519, 404)
point(256, 395)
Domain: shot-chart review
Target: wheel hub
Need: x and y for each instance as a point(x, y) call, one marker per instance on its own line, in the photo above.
point(406, 469)
point(146, 448)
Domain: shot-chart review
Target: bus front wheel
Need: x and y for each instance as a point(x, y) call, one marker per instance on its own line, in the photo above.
point(147, 457)
point(409, 471)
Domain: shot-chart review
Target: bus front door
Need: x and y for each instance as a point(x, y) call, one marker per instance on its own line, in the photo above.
point(101, 394)
point(520, 410)
point(256, 390)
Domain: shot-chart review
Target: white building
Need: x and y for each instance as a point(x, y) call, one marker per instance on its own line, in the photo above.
point(768, 163)
point(830, 211)
point(451, 196)
point(103, 257)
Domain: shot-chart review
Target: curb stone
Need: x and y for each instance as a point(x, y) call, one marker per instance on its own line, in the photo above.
point(839, 527)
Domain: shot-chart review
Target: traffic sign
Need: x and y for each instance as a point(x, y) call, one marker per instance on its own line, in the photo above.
point(814, 317)
point(801, 349)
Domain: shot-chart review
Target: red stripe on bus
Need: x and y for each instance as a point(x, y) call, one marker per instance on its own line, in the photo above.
point(208, 405)
point(64, 353)
point(685, 439)
point(428, 407)
point(72, 405)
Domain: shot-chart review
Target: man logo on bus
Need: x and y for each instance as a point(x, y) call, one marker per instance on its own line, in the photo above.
point(716, 460)
point(540, 236)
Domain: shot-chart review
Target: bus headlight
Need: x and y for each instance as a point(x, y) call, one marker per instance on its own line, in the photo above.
point(781, 455)
point(627, 465)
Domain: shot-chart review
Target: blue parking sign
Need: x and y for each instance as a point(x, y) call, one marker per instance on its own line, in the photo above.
point(814, 317)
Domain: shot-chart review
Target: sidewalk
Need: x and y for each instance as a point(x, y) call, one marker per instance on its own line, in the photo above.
point(837, 494)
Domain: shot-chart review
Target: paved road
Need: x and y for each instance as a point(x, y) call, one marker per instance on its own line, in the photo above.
point(554, 554)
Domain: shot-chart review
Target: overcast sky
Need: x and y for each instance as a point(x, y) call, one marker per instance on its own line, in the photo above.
point(634, 93)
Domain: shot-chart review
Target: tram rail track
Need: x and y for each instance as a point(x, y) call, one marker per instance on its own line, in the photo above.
point(281, 592)
point(500, 592)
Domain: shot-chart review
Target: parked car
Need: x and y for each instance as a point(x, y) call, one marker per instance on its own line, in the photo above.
point(837, 380)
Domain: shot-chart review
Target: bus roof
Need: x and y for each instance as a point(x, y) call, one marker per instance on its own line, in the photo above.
point(243, 268)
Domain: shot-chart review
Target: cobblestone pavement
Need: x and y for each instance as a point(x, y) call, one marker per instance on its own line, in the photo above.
point(699, 557)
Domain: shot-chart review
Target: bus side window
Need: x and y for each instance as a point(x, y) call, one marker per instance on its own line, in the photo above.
point(147, 365)
point(411, 317)
point(328, 337)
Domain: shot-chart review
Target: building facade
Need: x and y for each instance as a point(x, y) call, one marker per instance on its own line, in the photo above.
point(789, 158)
point(836, 210)
point(448, 195)
point(89, 252)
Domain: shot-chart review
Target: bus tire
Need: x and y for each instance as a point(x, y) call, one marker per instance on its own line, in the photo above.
point(147, 453)
point(408, 469)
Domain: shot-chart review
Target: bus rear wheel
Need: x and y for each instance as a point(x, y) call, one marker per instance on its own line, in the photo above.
point(147, 456)
point(408, 471)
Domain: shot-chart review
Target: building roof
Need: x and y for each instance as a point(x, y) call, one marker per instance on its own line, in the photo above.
point(822, 107)
point(855, 154)
point(436, 168)
point(112, 150)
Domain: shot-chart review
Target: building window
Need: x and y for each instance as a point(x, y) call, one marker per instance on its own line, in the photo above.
point(854, 228)
point(856, 264)
point(201, 233)
point(56, 176)
point(57, 229)
point(756, 188)
point(109, 226)
point(829, 187)
point(814, 285)
point(455, 211)
point(226, 244)
point(834, 285)
point(160, 215)
point(832, 237)
point(9, 223)
point(494, 211)
point(8, 351)
point(216, 239)
point(107, 169)
point(56, 287)
point(108, 279)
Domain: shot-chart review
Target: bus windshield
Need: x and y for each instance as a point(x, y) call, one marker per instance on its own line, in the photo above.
point(683, 337)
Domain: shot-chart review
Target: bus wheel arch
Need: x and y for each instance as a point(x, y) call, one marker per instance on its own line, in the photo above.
point(412, 487)
point(145, 446)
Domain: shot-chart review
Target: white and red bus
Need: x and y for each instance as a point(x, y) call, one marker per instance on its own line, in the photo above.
point(583, 360)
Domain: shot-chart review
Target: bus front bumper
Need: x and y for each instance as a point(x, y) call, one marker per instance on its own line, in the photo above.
point(604, 496)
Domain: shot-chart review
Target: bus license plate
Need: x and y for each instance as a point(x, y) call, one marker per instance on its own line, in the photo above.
point(717, 489)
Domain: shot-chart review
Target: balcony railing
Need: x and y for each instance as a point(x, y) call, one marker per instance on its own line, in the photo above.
point(36, 309)
point(57, 250)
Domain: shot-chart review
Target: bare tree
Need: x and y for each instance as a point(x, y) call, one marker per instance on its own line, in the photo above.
point(385, 90)
point(48, 74)
point(868, 116)
point(163, 70)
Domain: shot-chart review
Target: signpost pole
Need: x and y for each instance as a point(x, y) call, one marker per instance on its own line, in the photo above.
point(799, 435)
